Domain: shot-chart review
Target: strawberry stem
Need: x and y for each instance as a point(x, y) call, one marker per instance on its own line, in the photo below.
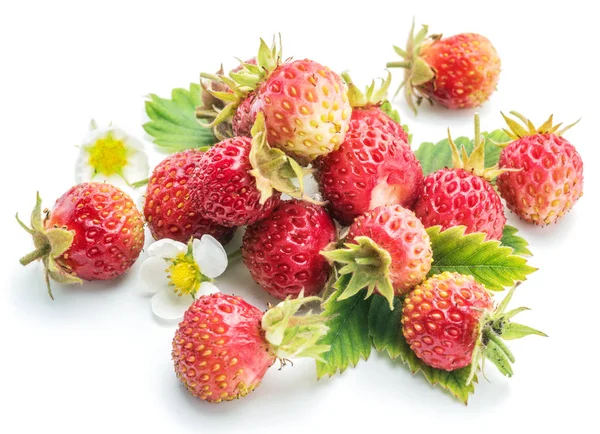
point(35, 255)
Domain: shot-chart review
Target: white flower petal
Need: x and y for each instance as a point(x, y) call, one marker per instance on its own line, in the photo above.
point(206, 288)
point(210, 256)
point(83, 171)
point(92, 136)
point(153, 275)
point(168, 305)
point(133, 143)
point(166, 248)
point(137, 167)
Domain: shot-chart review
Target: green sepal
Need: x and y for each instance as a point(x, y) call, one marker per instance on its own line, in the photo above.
point(348, 333)
point(495, 327)
point(489, 262)
point(373, 95)
point(50, 245)
point(526, 128)
point(417, 71)
point(368, 266)
point(272, 168)
point(290, 335)
point(173, 123)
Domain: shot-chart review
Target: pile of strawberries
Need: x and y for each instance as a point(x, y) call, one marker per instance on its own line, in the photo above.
point(283, 120)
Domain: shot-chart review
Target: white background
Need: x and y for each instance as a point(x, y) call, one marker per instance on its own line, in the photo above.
point(96, 360)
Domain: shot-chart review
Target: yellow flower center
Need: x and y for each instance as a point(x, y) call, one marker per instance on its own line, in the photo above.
point(184, 275)
point(108, 156)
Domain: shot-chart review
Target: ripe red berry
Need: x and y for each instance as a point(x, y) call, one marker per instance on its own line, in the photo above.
point(374, 166)
point(224, 346)
point(172, 207)
point(548, 173)
point(283, 251)
point(227, 191)
point(459, 71)
point(93, 232)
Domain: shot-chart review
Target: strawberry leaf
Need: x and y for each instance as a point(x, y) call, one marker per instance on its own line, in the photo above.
point(490, 263)
point(173, 123)
point(385, 329)
point(434, 157)
point(516, 242)
point(348, 333)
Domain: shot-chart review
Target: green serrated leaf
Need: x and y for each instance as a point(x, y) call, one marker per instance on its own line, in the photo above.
point(173, 123)
point(348, 334)
point(490, 263)
point(385, 330)
point(434, 157)
point(516, 242)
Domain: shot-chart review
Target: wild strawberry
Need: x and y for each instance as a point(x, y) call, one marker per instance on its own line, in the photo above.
point(171, 210)
point(240, 179)
point(549, 172)
point(374, 166)
point(305, 104)
point(282, 251)
point(94, 232)
point(463, 195)
point(224, 346)
point(460, 71)
point(387, 250)
point(243, 119)
point(450, 323)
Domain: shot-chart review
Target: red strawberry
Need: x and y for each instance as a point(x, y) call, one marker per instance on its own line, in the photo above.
point(549, 176)
point(374, 166)
point(305, 104)
point(224, 346)
point(387, 249)
point(171, 210)
point(227, 191)
point(94, 232)
point(282, 252)
point(449, 323)
point(463, 195)
point(460, 71)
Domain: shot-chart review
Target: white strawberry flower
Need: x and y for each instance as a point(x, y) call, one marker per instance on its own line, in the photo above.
point(177, 274)
point(110, 154)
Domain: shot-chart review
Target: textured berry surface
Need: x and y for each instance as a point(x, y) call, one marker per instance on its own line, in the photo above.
point(374, 166)
point(109, 231)
point(550, 180)
point(170, 209)
point(227, 191)
point(219, 350)
point(466, 68)
point(400, 232)
point(243, 120)
point(454, 197)
point(282, 251)
point(440, 319)
point(306, 109)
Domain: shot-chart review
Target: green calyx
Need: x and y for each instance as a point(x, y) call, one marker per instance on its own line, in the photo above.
point(516, 131)
point(231, 90)
point(417, 71)
point(369, 266)
point(272, 168)
point(373, 96)
point(475, 162)
point(495, 328)
point(290, 335)
point(50, 244)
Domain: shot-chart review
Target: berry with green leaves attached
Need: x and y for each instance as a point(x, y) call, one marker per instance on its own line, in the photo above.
point(305, 104)
point(224, 345)
point(93, 232)
point(463, 195)
point(374, 166)
point(460, 71)
point(546, 177)
point(449, 322)
point(386, 250)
